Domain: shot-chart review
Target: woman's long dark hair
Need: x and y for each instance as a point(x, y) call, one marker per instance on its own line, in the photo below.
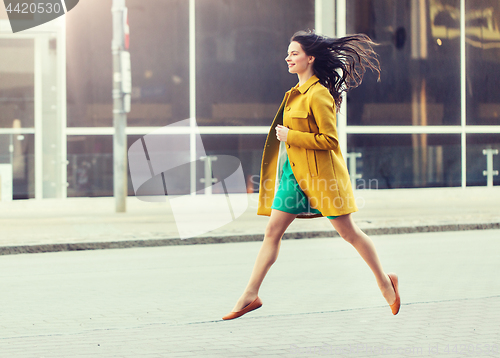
point(345, 53)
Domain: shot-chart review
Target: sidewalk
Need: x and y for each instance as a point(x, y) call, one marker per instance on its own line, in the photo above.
point(320, 299)
point(92, 223)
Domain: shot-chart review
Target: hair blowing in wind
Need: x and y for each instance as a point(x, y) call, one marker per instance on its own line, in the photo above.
point(351, 54)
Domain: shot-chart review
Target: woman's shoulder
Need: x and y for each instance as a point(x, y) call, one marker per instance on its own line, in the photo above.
point(318, 89)
point(320, 96)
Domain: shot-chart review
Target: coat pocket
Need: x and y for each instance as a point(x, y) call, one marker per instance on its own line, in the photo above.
point(311, 162)
point(298, 114)
point(299, 121)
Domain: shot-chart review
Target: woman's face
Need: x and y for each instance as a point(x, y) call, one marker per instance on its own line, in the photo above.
point(297, 60)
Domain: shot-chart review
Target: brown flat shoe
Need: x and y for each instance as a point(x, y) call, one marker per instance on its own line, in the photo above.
point(250, 307)
point(397, 304)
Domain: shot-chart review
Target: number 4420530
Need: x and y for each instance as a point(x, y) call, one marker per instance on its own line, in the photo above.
point(25, 8)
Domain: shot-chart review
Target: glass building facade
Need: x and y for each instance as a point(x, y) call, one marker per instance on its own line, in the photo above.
point(440, 62)
point(427, 123)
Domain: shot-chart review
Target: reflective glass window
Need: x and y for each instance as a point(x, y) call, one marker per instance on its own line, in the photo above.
point(17, 83)
point(17, 155)
point(482, 31)
point(159, 43)
point(246, 147)
point(241, 47)
point(479, 148)
point(419, 54)
point(390, 161)
point(90, 167)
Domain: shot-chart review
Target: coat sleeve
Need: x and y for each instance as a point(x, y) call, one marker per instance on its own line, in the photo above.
point(323, 110)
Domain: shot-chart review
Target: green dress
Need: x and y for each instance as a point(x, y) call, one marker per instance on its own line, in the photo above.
point(289, 197)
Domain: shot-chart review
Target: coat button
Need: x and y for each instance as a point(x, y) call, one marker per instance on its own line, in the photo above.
point(288, 145)
point(293, 164)
point(265, 163)
point(288, 108)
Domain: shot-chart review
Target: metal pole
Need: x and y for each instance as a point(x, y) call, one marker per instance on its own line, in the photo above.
point(208, 173)
point(352, 168)
point(489, 172)
point(119, 114)
point(463, 94)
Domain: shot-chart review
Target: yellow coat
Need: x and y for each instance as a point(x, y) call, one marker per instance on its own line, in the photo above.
point(313, 151)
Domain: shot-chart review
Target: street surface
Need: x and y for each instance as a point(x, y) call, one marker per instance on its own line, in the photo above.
point(319, 299)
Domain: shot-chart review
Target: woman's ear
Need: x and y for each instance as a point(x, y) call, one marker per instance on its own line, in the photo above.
point(311, 59)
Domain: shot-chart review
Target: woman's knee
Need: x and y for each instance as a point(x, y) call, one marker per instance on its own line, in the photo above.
point(278, 223)
point(274, 231)
point(346, 228)
point(350, 234)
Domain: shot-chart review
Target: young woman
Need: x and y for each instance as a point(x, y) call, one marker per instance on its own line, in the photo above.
point(303, 172)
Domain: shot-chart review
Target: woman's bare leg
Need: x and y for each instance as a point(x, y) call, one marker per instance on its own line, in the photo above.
point(350, 232)
point(278, 222)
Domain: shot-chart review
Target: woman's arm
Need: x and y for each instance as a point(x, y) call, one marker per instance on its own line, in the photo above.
point(323, 110)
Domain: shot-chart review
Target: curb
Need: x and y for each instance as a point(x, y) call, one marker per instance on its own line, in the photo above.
point(41, 248)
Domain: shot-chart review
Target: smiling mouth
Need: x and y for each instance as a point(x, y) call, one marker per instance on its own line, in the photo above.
point(291, 64)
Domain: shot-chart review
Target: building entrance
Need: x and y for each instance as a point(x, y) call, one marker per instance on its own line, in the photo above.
point(32, 114)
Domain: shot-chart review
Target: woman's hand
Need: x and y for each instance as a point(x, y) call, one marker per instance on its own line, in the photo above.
point(281, 133)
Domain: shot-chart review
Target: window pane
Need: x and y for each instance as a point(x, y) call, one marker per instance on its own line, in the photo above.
point(240, 58)
point(483, 61)
point(17, 83)
point(477, 160)
point(420, 60)
point(247, 148)
point(90, 168)
point(17, 151)
point(391, 161)
point(159, 43)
